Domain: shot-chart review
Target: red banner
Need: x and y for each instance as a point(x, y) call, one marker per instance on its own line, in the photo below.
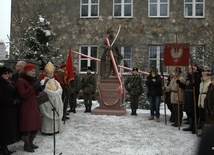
point(176, 54)
point(69, 70)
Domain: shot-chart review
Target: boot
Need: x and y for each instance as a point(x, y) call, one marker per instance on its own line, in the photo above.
point(32, 137)
point(190, 128)
point(135, 112)
point(132, 112)
point(27, 147)
point(74, 110)
point(89, 109)
point(86, 110)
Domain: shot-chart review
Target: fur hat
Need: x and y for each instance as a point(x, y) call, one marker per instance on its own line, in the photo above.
point(206, 70)
point(49, 67)
point(177, 69)
point(9, 70)
point(28, 67)
point(3, 70)
point(135, 69)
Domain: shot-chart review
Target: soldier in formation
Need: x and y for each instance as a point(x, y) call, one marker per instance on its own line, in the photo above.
point(133, 85)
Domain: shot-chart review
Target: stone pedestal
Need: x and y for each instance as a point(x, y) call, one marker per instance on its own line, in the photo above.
point(110, 98)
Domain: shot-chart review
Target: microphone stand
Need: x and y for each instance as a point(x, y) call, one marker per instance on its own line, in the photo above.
point(54, 113)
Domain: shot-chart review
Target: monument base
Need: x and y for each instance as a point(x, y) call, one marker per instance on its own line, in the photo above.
point(110, 98)
point(100, 111)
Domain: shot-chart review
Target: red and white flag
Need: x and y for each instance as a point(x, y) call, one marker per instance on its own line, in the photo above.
point(176, 54)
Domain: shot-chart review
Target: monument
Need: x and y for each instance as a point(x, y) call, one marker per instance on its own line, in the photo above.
point(110, 87)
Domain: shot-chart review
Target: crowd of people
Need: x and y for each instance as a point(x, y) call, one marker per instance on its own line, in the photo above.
point(191, 93)
point(25, 116)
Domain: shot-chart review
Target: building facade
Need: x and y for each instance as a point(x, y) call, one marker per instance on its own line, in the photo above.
point(146, 25)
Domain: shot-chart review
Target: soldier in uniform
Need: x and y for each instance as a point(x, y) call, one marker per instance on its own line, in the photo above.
point(133, 85)
point(73, 90)
point(89, 88)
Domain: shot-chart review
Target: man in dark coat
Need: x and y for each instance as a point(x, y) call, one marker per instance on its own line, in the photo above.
point(19, 69)
point(89, 88)
point(154, 84)
point(8, 112)
point(133, 85)
point(193, 80)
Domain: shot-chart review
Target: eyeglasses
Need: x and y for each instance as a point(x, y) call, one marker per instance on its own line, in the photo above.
point(6, 73)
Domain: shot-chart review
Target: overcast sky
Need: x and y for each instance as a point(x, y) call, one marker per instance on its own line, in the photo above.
point(5, 8)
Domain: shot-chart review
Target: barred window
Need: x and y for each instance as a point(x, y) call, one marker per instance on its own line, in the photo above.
point(85, 62)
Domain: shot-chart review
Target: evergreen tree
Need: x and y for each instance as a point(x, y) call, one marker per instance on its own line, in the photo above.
point(36, 43)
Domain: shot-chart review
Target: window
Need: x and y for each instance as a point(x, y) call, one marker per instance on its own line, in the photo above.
point(126, 51)
point(123, 8)
point(85, 62)
point(156, 54)
point(89, 8)
point(158, 8)
point(194, 8)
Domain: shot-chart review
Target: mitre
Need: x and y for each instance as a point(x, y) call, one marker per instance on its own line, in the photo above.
point(49, 67)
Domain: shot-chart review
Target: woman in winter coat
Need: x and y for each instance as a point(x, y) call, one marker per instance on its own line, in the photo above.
point(29, 116)
point(8, 112)
point(154, 84)
point(205, 82)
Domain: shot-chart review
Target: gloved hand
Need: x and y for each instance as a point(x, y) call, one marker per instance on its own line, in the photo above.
point(178, 81)
point(36, 85)
point(16, 101)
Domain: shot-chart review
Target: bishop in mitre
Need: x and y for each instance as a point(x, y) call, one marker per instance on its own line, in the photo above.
point(54, 91)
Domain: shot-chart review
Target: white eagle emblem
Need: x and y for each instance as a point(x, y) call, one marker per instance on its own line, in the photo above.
point(176, 53)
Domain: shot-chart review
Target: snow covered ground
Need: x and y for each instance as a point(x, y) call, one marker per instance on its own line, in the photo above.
point(86, 134)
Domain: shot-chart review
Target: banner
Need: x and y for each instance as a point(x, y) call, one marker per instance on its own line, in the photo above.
point(69, 70)
point(176, 54)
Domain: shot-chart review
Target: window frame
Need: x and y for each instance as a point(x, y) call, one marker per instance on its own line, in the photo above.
point(89, 4)
point(194, 3)
point(122, 4)
point(122, 49)
point(160, 48)
point(158, 3)
point(87, 59)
